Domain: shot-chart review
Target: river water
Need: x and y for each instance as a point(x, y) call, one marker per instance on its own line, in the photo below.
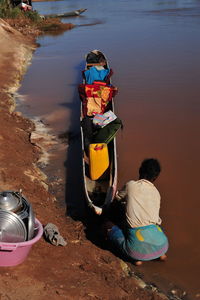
point(153, 47)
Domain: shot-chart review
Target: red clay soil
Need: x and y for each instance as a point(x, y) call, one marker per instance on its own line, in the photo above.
point(30, 30)
point(80, 270)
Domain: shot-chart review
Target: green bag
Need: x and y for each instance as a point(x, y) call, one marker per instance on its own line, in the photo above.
point(108, 132)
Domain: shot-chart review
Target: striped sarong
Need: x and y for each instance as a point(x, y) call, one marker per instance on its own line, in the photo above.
point(141, 243)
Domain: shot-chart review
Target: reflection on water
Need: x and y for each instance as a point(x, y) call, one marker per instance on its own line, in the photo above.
point(184, 12)
point(153, 47)
point(92, 24)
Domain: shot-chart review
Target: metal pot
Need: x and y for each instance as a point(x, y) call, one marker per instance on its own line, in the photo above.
point(31, 224)
point(10, 201)
point(16, 203)
point(24, 211)
point(27, 215)
point(12, 228)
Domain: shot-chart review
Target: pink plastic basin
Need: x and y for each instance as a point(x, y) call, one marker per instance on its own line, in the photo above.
point(12, 254)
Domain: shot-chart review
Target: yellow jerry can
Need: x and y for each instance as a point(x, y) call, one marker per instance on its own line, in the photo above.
point(99, 160)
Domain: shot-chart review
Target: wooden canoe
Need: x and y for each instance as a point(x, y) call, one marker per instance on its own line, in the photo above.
point(99, 193)
point(73, 13)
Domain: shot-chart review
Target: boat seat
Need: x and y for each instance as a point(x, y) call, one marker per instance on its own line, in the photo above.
point(95, 64)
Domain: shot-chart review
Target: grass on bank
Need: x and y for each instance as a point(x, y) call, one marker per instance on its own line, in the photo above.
point(7, 11)
point(28, 22)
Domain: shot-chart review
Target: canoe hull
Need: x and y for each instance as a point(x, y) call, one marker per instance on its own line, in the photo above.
point(100, 193)
point(73, 13)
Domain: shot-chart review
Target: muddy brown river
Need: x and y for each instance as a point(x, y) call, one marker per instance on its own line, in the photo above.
point(153, 47)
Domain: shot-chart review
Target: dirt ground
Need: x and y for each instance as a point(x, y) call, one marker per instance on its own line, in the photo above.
point(80, 270)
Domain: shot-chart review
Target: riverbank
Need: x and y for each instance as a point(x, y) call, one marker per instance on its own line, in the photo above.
point(80, 270)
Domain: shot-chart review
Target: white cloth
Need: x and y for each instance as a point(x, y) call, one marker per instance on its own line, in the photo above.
point(142, 203)
point(52, 235)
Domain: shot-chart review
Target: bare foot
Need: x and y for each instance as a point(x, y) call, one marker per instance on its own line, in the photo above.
point(138, 263)
point(163, 257)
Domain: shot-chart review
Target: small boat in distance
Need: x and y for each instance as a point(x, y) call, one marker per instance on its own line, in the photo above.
point(100, 192)
point(73, 13)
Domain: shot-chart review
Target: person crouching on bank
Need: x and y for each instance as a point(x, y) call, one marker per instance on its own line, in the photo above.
point(142, 238)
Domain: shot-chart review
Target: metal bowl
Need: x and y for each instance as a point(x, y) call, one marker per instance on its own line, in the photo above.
point(10, 201)
point(12, 228)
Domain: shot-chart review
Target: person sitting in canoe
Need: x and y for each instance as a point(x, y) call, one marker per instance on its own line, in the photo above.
point(141, 238)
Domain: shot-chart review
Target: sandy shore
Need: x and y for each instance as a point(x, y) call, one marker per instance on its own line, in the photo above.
point(80, 270)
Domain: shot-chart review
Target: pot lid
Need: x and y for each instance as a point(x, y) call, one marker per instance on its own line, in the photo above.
point(10, 201)
point(12, 228)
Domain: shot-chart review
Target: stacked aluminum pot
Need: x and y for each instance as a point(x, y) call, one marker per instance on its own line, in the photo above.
point(17, 219)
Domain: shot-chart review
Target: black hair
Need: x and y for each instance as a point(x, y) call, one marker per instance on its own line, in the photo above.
point(149, 169)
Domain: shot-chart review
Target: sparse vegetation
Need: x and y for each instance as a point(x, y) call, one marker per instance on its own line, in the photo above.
point(5, 8)
point(7, 11)
point(33, 15)
point(30, 23)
